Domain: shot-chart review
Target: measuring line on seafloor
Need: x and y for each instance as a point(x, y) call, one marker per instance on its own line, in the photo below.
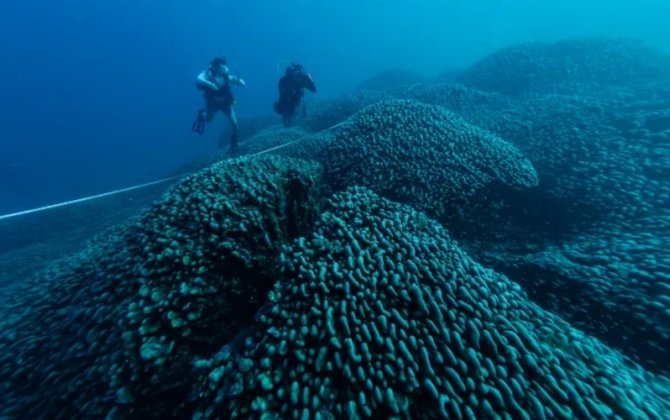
point(148, 184)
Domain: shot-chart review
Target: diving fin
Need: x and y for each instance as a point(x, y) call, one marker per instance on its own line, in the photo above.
point(199, 123)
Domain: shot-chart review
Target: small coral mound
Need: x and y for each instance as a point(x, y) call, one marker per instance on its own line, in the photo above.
point(290, 142)
point(392, 79)
point(270, 138)
point(423, 155)
point(324, 113)
point(567, 66)
point(208, 252)
point(458, 99)
point(115, 331)
point(380, 314)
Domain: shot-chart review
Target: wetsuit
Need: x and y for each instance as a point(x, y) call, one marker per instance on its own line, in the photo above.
point(218, 96)
point(291, 91)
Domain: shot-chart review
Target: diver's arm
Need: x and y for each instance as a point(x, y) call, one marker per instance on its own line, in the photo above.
point(309, 83)
point(202, 82)
point(236, 80)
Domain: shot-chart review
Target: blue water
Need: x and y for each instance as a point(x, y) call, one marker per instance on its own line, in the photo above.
point(98, 95)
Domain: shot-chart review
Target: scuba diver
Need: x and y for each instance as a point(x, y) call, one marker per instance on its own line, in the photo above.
point(216, 82)
point(291, 89)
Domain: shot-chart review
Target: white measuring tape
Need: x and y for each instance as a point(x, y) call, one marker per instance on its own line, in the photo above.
point(148, 184)
point(92, 197)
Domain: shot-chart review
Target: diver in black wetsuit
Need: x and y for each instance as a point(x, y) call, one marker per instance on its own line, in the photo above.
point(216, 82)
point(291, 89)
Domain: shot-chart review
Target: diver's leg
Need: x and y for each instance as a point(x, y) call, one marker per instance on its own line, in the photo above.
point(205, 115)
point(232, 119)
point(288, 114)
point(198, 125)
point(210, 111)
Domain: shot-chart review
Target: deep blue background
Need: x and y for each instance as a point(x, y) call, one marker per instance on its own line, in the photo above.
point(99, 95)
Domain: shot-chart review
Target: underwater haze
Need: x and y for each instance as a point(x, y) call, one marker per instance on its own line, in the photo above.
point(468, 215)
point(96, 96)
